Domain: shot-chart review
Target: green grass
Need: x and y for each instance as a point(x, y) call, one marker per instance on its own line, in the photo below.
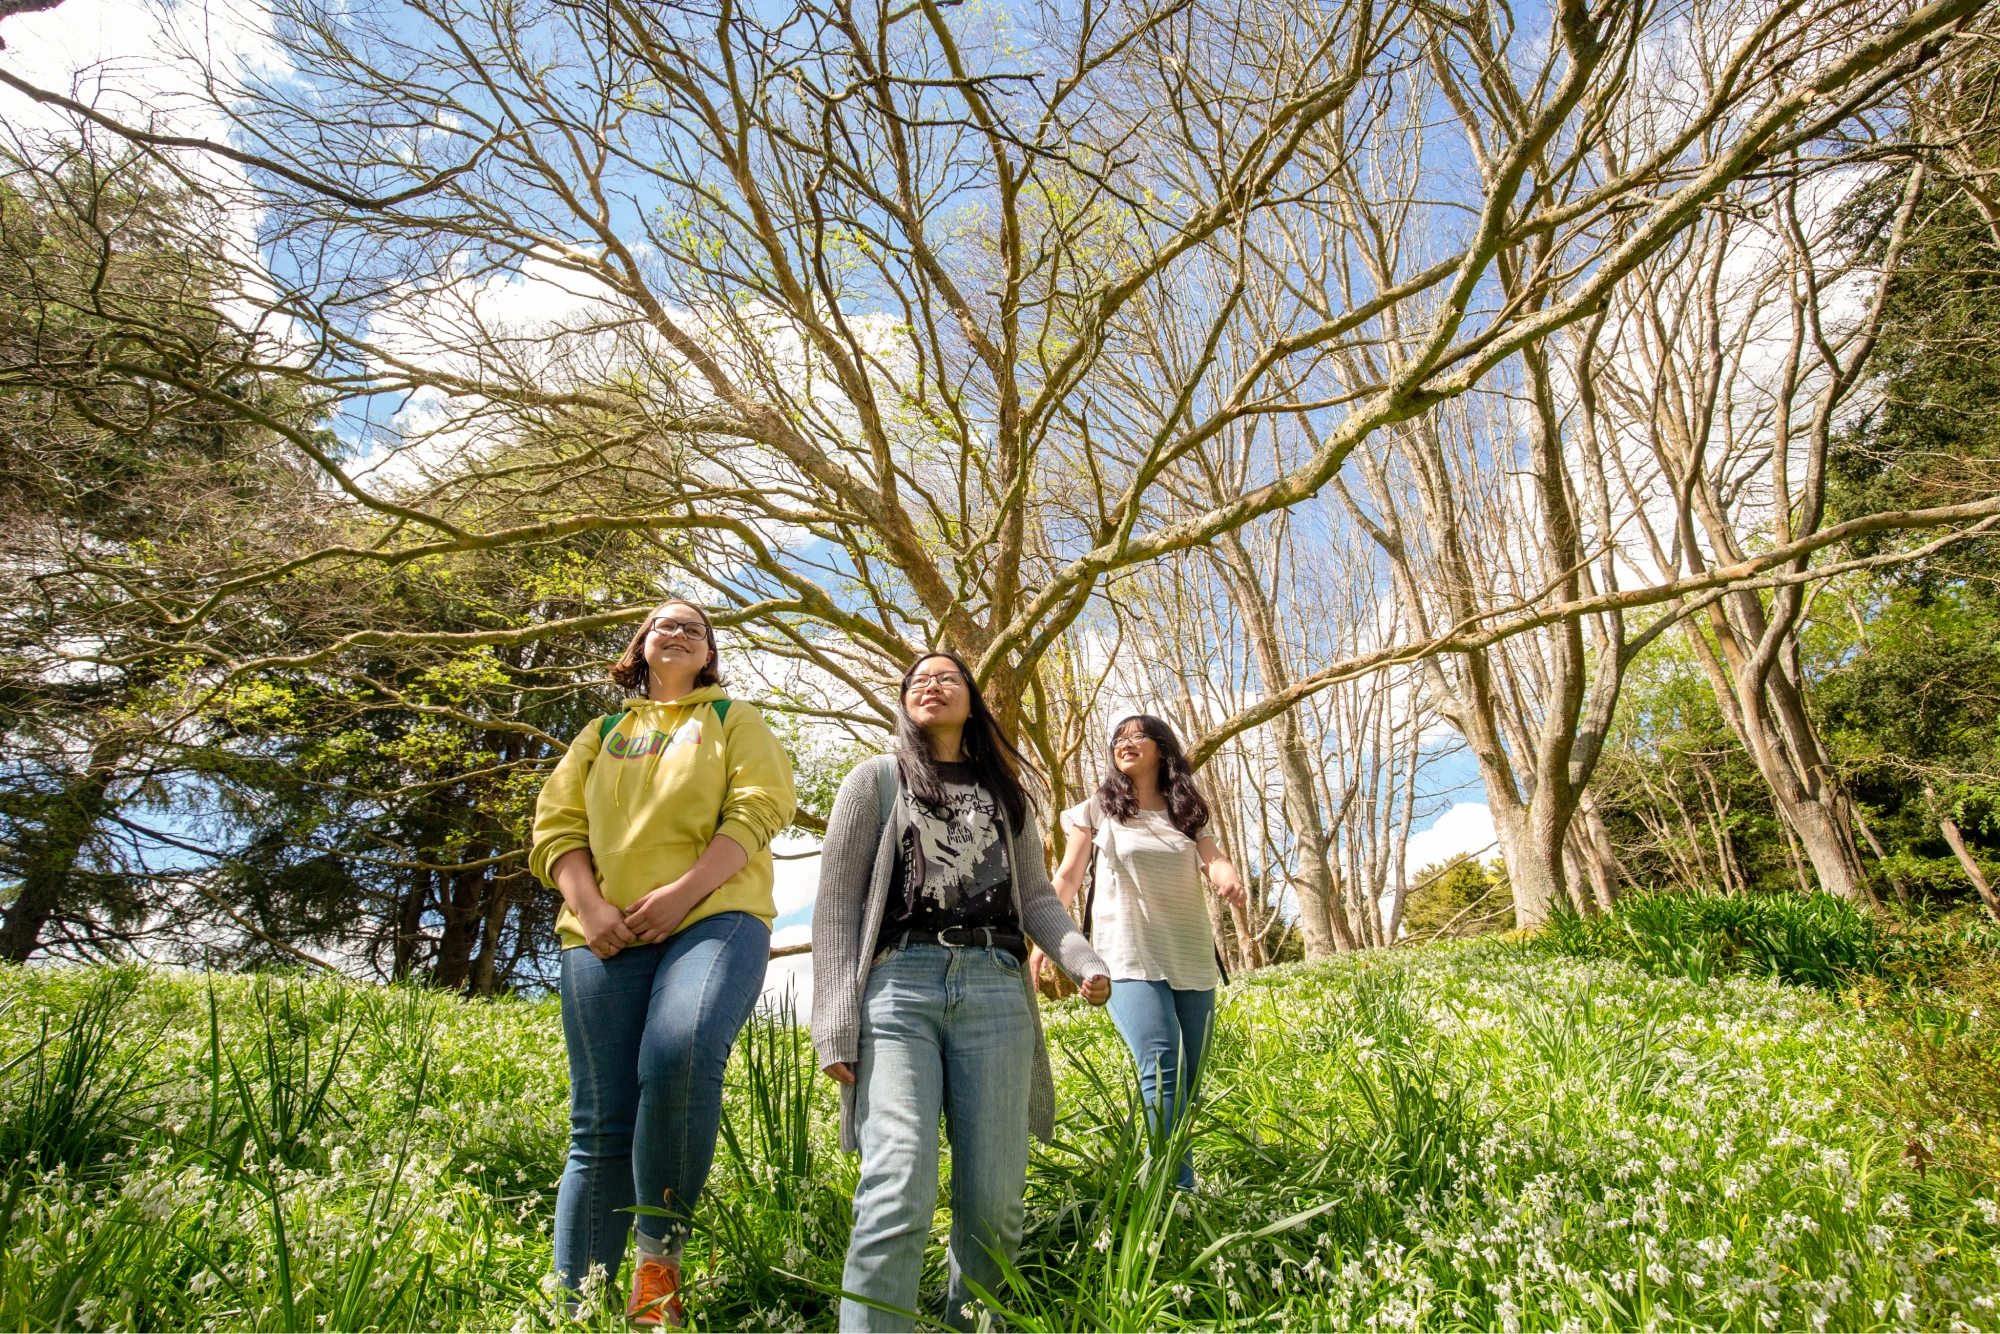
point(1813, 940)
point(1460, 1136)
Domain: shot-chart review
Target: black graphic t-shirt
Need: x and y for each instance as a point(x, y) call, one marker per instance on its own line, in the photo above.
point(953, 869)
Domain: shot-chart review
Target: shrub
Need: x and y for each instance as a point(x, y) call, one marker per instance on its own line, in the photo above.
point(1457, 900)
point(1813, 940)
point(1940, 1005)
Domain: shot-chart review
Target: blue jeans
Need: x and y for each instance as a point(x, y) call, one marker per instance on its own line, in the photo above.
point(649, 1032)
point(1167, 1031)
point(942, 1031)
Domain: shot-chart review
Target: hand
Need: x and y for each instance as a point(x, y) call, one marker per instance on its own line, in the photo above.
point(1038, 965)
point(657, 915)
point(842, 1072)
point(1231, 892)
point(1095, 989)
point(604, 928)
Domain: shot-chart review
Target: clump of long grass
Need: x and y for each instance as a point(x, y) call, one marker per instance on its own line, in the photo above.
point(776, 1220)
point(1814, 940)
point(67, 1096)
point(237, 1192)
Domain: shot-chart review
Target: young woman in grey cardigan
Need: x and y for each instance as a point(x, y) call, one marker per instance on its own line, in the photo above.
point(931, 887)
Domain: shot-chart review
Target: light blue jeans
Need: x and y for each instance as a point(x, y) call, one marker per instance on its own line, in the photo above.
point(649, 1032)
point(1167, 1031)
point(943, 1030)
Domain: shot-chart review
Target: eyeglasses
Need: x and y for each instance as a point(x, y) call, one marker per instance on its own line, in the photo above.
point(942, 680)
point(669, 628)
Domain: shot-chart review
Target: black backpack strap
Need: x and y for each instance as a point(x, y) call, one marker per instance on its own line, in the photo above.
point(1090, 889)
point(611, 720)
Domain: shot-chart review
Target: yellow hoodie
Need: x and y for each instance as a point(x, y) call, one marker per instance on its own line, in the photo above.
point(647, 795)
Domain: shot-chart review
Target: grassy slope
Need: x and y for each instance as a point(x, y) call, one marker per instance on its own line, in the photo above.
point(1456, 1136)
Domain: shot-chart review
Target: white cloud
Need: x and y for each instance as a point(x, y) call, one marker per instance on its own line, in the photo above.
point(1466, 827)
point(797, 882)
point(128, 58)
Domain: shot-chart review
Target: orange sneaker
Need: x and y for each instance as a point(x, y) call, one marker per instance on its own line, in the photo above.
point(656, 1294)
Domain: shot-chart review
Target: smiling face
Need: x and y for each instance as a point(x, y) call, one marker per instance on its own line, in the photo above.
point(935, 694)
point(676, 644)
point(1134, 752)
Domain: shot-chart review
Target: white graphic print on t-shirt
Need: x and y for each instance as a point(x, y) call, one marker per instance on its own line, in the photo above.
point(959, 849)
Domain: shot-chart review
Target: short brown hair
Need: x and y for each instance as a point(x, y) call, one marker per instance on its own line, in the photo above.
point(630, 669)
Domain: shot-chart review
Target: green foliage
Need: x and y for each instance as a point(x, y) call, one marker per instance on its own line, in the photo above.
point(1932, 440)
point(1813, 940)
point(1916, 721)
point(1945, 1018)
point(135, 452)
point(1915, 714)
point(1459, 1136)
point(286, 1094)
point(791, 1196)
point(1459, 900)
point(1682, 801)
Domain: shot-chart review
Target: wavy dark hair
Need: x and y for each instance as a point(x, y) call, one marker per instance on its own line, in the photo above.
point(1187, 809)
point(994, 761)
point(630, 669)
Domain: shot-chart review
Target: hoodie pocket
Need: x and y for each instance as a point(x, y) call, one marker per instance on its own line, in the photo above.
point(626, 876)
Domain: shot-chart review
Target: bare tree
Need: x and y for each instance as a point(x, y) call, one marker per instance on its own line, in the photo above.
point(1731, 367)
point(845, 298)
point(1535, 712)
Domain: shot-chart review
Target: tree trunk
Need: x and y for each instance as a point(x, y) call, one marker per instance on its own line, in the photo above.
point(1324, 929)
point(1828, 846)
point(1399, 864)
point(1811, 810)
point(462, 920)
point(1881, 857)
point(1534, 862)
point(1249, 948)
point(410, 925)
point(1600, 858)
point(498, 897)
point(71, 818)
point(1972, 871)
point(1580, 871)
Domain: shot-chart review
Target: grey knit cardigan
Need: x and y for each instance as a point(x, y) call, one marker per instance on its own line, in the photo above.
point(854, 872)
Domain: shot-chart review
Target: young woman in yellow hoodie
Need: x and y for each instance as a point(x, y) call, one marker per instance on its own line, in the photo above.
point(656, 828)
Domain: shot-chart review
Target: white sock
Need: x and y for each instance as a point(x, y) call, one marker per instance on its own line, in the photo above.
point(668, 1248)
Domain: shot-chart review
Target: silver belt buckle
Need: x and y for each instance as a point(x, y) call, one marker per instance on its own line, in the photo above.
point(942, 941)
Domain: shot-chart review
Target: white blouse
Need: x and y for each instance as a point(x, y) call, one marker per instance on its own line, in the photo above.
point(1150, 917)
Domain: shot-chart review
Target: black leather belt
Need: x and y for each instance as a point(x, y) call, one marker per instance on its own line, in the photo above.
point(968, 937)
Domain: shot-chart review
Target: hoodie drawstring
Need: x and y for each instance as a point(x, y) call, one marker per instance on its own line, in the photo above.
point(643, 713)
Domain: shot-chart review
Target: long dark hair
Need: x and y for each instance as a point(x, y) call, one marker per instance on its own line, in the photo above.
point(630, 669)
point(994, 762)
point(1187, 809)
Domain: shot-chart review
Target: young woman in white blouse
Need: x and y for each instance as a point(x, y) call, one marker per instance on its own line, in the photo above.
point(1148, 828)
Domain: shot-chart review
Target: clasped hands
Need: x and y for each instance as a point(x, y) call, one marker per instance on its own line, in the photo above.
point(608, 929)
